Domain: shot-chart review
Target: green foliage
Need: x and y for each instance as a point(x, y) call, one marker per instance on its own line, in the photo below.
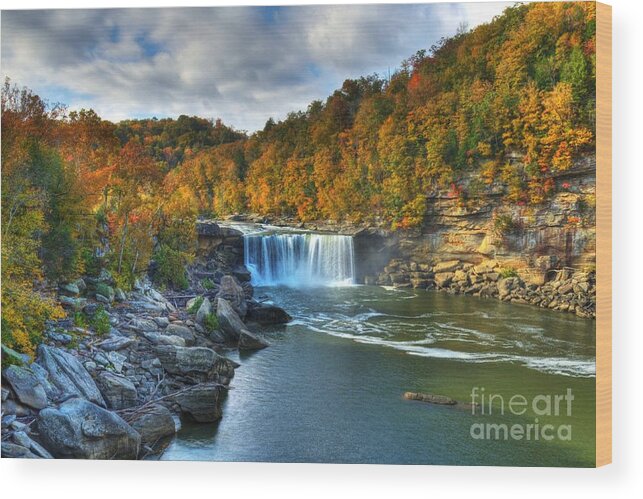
point(508, 272)
point(505, 224)
point(80, 319)
point(207, 283)
point(170, 268)
point(211, 322)
point(100, 322)
point(194, 308)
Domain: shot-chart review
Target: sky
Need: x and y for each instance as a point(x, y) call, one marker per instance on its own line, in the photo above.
point(241, 64)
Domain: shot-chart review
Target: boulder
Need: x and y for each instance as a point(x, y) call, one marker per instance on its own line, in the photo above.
point(505, 286)
point(182, 332)
point(199, 362)
point(443, 279)
point(232, 292)
point(202, 403)
point(72, 303)
point(248, 341)
point(16, 451)
point(204, 310)
point(267, 314)
point(116, 343)
point(68, 375)
point(70, 289)
point(26, 386)
point(21, 438)
point(229, 321)
point(82, 430)
point(118, 391)
point(143, 325)
point(154, 423)
point(164, 339)
point(448, 266)
point(119, 295)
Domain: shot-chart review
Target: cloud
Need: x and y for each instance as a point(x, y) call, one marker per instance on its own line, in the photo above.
point(243, 64)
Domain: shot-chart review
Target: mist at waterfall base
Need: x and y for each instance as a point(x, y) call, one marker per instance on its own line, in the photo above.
point(329, 388)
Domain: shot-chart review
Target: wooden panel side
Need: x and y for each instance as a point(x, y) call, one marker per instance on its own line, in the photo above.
point(603, 234)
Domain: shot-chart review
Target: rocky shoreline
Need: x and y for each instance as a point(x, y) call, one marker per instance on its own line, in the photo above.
point(403, 260)
point(120, 386)
point(568, 290)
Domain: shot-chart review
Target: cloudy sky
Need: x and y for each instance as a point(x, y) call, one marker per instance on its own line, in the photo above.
point(242, 64)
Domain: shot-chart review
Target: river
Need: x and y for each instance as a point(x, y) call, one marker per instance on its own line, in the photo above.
point(330, 386)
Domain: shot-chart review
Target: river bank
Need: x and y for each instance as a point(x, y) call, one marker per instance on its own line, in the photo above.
point(118, 378)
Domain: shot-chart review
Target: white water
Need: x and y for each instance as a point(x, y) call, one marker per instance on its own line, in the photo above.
point(299, 260)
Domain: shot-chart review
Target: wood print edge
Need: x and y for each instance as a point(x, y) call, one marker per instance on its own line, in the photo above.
point(603, 234)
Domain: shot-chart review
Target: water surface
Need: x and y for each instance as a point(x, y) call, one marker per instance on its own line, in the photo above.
point(329, 388)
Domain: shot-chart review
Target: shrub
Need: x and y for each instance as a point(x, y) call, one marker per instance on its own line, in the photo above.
point(170, 268)
point(508, 272)
point(207, 283)
point(211, 322)
point(100, 322)
point(80, 320)
point(505, 224)
point(194, 308)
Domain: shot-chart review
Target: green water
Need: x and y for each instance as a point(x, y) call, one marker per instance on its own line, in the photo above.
point(329, 388)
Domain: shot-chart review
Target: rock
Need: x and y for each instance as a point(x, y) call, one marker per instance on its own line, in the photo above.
point(505, 286)
point(118, 391)
point(119, 295)
point(485, 267)
point(182, 332)
point(82, 430)
point(10, 356)
point(248, 341)
point(461, 276)
point(233, 294)
point(16, 451)
point(12, 408)
point(21, 438)
point(430, 398)
point(161, 321)
point(26, 386)
point(164, 339)
point(72, 303)
point(62, 338)
point(81, 284)
point(202, 403)
point(190, 303)
point(242, 274)
point(267, 314)
point(117, 360)
point(116, 343)
point(102, 299)
point(443, 279)
point(139, 324)
point(70, 289)
point(68, 375)
point(200, 362)
point(229, 321)
point(154, 423)
point(204, 310)
point(448, 266)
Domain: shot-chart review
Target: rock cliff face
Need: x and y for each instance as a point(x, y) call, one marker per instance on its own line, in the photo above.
point(533, 241)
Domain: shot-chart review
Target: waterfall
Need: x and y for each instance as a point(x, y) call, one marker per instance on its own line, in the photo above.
point(300, 259)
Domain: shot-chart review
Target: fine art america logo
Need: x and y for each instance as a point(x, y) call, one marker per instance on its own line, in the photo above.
point(537, 410)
